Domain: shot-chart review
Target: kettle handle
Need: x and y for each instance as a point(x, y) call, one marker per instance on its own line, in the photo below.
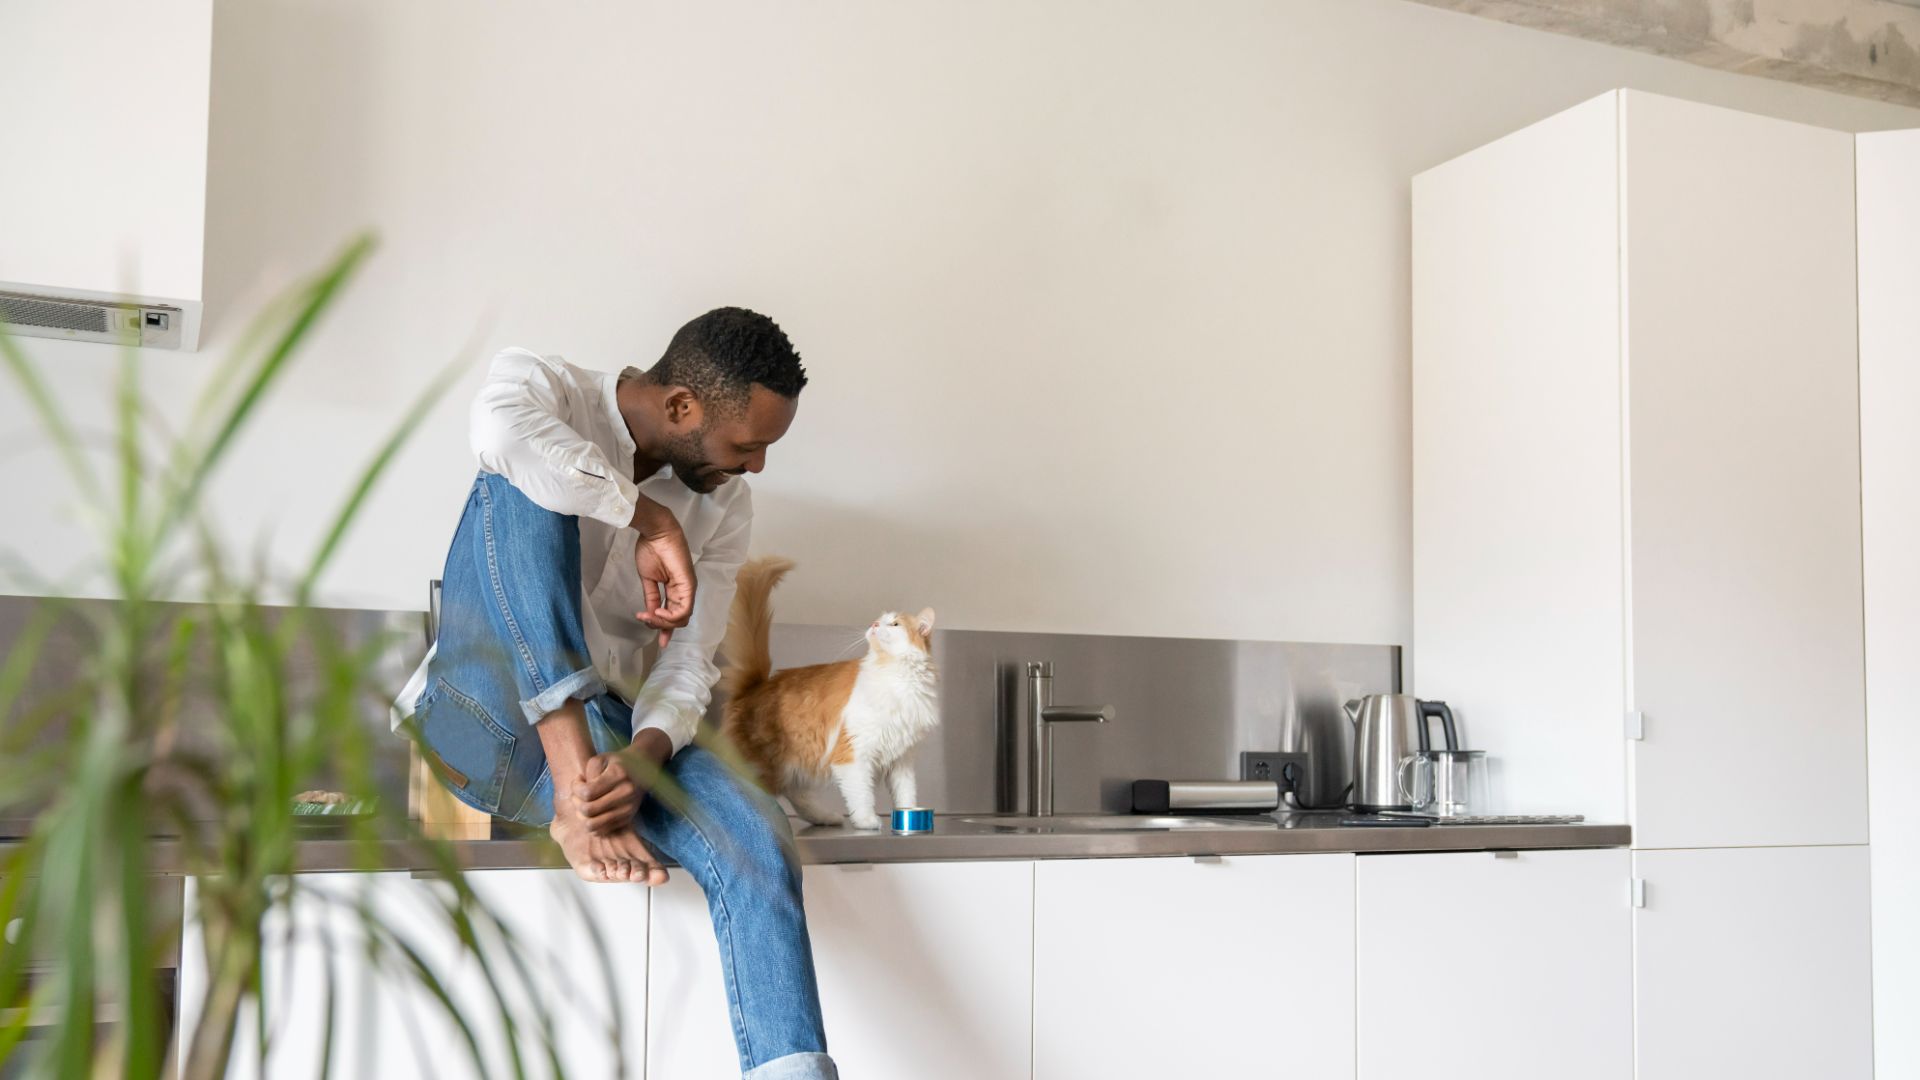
point(1439, 709)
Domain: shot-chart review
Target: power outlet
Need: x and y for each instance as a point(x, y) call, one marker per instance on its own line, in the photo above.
point(1267, 765)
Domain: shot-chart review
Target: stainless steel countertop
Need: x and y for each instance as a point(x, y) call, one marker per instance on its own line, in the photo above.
point(983, 837)
point(978, 837)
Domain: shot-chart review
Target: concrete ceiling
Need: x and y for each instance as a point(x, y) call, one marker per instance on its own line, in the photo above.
point(1867, 48)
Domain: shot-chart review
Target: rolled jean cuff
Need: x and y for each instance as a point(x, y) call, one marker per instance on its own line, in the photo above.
point(809, 1066)
point(582, 684)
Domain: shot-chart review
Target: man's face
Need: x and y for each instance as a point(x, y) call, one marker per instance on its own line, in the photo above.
point(712, 448)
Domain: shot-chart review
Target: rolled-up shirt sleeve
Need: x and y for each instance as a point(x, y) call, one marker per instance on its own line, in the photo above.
point(519, 429)
point(679, 686)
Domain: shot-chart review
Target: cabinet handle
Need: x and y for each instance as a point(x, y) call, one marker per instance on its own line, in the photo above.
point(1209, 860)
point(1503, 853)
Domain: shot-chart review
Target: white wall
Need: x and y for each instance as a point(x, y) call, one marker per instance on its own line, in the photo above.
point(105, 161)
point(1106, 303)
point(1889, 178)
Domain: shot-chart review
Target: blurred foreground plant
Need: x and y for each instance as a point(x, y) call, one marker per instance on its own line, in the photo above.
point(119, 756)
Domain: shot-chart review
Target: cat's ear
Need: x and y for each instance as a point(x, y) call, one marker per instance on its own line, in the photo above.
point(925, 621)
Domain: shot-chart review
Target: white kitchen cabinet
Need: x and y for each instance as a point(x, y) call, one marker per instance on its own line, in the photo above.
point(1477, 966)
point(1238, 966)
point(1889, 165)
point(925, 971)
point(1636, 470)
point(582, 959)
point(585, 947)
point(381, 1020)
point(1753, 963)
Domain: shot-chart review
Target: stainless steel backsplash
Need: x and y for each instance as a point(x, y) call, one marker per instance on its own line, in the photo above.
point(63, 664)
point(1185, 708)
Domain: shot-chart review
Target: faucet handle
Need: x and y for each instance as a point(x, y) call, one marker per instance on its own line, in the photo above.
point(1096, 714)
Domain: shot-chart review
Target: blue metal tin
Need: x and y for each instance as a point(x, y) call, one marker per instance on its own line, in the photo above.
point(909, 820)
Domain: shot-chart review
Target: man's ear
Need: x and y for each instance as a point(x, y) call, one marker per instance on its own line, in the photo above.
point(683, 409)
point(925, 619)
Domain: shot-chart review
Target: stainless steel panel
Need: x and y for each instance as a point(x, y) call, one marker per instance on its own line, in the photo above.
point(1183, 708)
point(68, 648)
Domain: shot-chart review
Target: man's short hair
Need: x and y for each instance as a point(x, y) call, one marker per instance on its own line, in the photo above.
point(722, 354)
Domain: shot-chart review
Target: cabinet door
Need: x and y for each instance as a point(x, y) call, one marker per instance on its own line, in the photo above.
point(1753, 962)
point(1238, 966)
point(1478, 967)
point(1517, 479)
point(581, 960)
point(926, 970)
point(1744, 450)
point(584, 946)
point(1890, 513)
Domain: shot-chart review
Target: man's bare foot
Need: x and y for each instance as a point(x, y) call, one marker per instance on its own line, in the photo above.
point(616, 856)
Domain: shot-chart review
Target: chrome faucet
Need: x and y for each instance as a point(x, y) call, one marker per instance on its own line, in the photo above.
point(1042, 714)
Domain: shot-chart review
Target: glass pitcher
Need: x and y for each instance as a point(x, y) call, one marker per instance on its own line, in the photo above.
point(1444, 783)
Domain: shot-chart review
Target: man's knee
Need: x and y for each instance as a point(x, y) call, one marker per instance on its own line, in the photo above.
point(749, 834)
point(529, 561)
point(509, 506)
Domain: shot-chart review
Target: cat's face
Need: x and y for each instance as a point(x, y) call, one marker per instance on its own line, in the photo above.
point(897, 634)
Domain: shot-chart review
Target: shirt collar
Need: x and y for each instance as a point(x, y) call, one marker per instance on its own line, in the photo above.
point(622, 438)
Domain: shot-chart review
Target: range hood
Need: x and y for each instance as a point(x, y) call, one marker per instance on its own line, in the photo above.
point(103, 197)
point(25, 312)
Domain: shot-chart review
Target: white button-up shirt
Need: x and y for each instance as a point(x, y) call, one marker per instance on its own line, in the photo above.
point(555, 432)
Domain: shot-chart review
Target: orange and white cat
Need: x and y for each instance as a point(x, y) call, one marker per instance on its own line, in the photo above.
point(847, 724)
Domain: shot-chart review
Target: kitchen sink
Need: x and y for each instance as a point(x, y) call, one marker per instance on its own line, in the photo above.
point(1115, 823)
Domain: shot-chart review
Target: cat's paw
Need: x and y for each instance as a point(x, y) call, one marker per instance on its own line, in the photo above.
point(822, 818)
point(869, 822)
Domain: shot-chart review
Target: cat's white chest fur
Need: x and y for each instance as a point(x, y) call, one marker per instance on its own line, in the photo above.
point(893, 706)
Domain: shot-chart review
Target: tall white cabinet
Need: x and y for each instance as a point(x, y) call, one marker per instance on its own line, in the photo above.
point(1637, 532)
point(1889, 194)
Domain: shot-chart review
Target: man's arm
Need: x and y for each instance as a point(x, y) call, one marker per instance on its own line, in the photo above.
point(679, 686)
point(518, 429)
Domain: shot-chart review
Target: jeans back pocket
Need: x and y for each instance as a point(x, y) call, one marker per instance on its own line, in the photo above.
point(475, 750)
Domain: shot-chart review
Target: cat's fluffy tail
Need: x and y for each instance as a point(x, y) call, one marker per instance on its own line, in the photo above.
point(749, 660)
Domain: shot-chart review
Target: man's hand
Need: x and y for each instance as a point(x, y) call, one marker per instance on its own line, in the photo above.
point(666, 568)
point(611, 786)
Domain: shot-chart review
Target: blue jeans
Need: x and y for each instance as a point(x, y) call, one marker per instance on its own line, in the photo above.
point(511, 650)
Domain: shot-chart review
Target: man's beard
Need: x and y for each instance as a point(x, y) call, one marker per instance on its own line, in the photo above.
point(690, 465)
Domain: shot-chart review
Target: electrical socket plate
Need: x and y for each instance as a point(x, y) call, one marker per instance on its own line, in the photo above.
point(1266, 765)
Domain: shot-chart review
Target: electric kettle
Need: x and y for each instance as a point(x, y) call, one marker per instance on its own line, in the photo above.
point(1386, 729)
